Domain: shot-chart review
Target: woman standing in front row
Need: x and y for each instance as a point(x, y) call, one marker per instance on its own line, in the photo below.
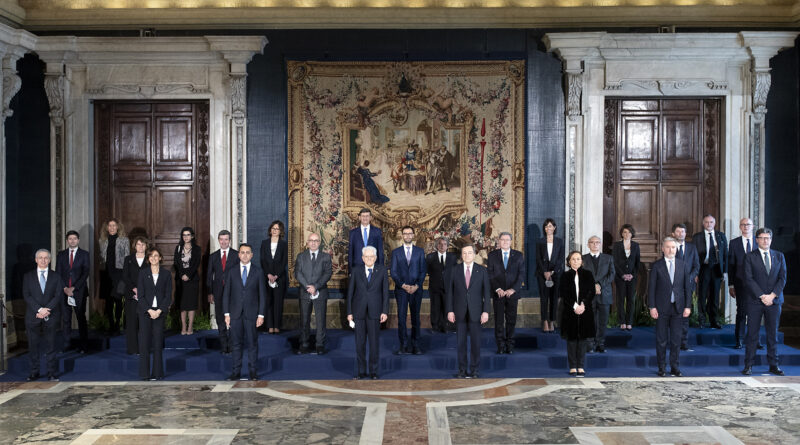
point(274, 257)
point(549, 267)
point(577, 319)
point(134, 263)
point(155, 296)
point(187, 261)
point(627, 257)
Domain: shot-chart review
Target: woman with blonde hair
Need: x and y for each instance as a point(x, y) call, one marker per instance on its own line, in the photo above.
point(114, 247)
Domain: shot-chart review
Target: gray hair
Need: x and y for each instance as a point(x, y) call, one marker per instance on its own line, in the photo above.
point(669, 239)
point(36, 255)
point(369, 249)
point(593, 237)
point(511, 237)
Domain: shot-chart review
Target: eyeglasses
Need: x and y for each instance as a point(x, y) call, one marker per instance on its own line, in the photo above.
point(764, 237)
point(313, 241)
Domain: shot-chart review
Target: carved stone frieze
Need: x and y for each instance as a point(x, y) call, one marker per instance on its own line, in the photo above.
point(574, 88)
point(665, 86)
point(149, 90)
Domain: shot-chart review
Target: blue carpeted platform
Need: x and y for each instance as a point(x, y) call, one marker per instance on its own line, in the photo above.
point(197, 357)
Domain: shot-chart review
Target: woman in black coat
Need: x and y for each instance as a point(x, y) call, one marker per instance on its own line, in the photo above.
point(549, 267)
point(155, 296)
point(275, 264)
point(577, 320)
point(134, 263)
point(187, 261)
point(627, 257)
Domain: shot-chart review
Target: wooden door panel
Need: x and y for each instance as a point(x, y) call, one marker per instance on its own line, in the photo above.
point(639, 205)
point(132, 205)
point(680, 204)
point(681, 140)
point(132, 142)
point(174, 146)
point(640, 140)
point(173, 206)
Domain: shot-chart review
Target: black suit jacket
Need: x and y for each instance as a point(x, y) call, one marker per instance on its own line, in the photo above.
point(35, 298)
point(215, 275)
point(194, 263)
point(626, 265)
point(248, 301)
point(736, 256)
point(470, 301)
point(506, 278)
point(759, 282)
point(659, 288)
point(699, 240)
point(368, 300)
point(277, 265)
point(130, 273)
point(438, 274)
point(161, 291)
point(556, 262)
point(690, 261)
point(79, 272)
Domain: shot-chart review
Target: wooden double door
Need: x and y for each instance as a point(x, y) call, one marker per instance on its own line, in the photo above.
point(662, 163)
point(152, 170)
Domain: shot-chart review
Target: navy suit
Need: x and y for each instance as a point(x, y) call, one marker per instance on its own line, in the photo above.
point(357, 243)
point(710, 275)
point(408, 272)
point(759, 283)
point(74, 276)
point(438, 275)
point(41, 332)
point(244, 303)
point(468, 303)
point(736, 255)
point(366, 301)
point(151, 332)
point(660, 290)
point(692, 264)
point(215, 279)
point(505, 309)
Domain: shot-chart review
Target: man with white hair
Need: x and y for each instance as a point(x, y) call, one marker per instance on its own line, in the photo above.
point(367, 308)
point(42, 289)
point(601, 265)
point(312, 269)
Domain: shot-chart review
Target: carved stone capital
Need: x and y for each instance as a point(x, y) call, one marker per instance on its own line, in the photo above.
point(11, 85)
point(54, 87)
point(574, 89)
point(238, 92)
point(761, 83)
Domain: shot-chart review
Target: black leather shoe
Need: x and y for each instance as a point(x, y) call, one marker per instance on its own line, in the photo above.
point(416, 351)
point(738, 345)
point(461, 375)
point(475, 375)
point(321, 350)
point(662, 373)
point(775, 370)
point(234, 376)
point(53, 378)
point(500, 350)
point(303, 350)
point(676, 372)
point(760, 346)
point(401, 351)
point(748, 370)
point(33, 376)
point(581, 373)
point(601, 349)
point(253, 375)
point(684, 348)
point(573, 373)
point(716, 326)
point(509, 350)
point(360, 376)
point(373, 376)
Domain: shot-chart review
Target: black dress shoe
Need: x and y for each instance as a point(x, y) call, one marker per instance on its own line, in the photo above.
point(676, 372)
point(684, 348)
point(461, 375)
point(509, 350)
point(581, 373)
point(748, 370)
point(716, 326)
point(500, 350)
point(601, 349)
point(151, 379)
point(475, 375)
point(373, 376)
point(53, 378)
point(33, 376)
point(360, 376)
point(321, 350)
point(573, 373)
point(234, 376)
point(401, 351)
point(760, 346)
point(253, 375)
point(416, 351)
point(738, 345)
point(775, 370)
point(661, 373)
point(303, 350)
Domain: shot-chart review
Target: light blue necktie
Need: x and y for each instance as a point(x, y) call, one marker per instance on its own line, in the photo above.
point(766, 263)
point(244, 275)
point(365, 236)
point(671, 280)
point(505, 260)
point(369, 274)
point(42, 281)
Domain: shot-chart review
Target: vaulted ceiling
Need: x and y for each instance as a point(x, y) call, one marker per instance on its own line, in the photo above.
point(53, 15)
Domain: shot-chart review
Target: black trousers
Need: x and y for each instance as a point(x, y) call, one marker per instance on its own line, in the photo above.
point(576, 353)
point(741, 314)
point(600, 321)
point(669, 329)
point(41, 340)
point(113, 312)
point(320, 306)
point(772, 316)
point(707, 295)
point(367, 332)
point(406, 302)
point(625, 301)
point(548, 297)
point(505, 320)
point(222, 328)
point(151, 339)
point(131, 325)
point(438, 319)
point(473, 328)
point(274, 315)
point(244, 334)
point(66, 322)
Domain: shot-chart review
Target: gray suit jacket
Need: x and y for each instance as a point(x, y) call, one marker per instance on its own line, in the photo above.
point(604, 274)
point(316, 274)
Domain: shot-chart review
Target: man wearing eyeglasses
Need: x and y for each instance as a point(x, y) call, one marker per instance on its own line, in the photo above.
point(765, 276)
point(737, 251)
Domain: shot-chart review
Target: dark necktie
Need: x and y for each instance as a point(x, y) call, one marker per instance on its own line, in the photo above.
point(712, 249)
point(766, 263)
point(71, 259)
point(313, 257)
point(224, 260)
point(748, 246)
point(369, 274)
point(680, 251)
point(441, 260)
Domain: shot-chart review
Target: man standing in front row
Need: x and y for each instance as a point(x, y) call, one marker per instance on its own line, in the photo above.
point(408, 273)
point(765, 276)
point(42, 289)
point(737, 252)
point(439, 266)
point(601, 265)
point(364, 235)
point(72, 265)
point(312, 269)
point(687, 252)
point(218, 263)
point(669, 297)
point(367, 306)
point(712, 250)
point(467, 305)
point(244, 300)
point(506, 272)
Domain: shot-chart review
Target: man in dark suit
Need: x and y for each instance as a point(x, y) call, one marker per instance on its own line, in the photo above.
point(712, 250)
point(438, 265)
point(506, 273)
point(367, 308)
point(408, 273)
point(218, 263)
point(669, 297)
point(364, 235)
point(687, 252)
point(467, 304)
point(737, 251)
point(42, 290)
point(312, 269)
point(765, 277)
point(244, 302)
point(601, 265)
point(72, 265)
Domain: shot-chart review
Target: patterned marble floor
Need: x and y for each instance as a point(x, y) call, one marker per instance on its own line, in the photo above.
point(747, 410)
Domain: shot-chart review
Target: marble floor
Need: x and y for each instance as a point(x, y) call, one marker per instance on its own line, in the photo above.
point(716, 410)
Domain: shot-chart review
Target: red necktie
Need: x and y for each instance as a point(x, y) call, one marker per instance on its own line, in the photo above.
point(71, 259)
point(224, 259)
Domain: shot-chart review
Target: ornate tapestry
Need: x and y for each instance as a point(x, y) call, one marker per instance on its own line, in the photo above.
point(436, 145)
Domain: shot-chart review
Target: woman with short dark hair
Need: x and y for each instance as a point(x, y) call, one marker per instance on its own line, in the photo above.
point(155, 296)
point(274, 258)
point(134, 263)
point(549, 267)
point(627, 257)
point(577, 318)
point(187, 262)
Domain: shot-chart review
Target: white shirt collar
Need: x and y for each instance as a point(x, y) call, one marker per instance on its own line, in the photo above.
point(242, 265)
point(225, 251)
point(39, 271)
point(367, 268)
point(314, 252)
point(365, 227)
point(763, 251)
point(470, 265)
point(506, 251)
